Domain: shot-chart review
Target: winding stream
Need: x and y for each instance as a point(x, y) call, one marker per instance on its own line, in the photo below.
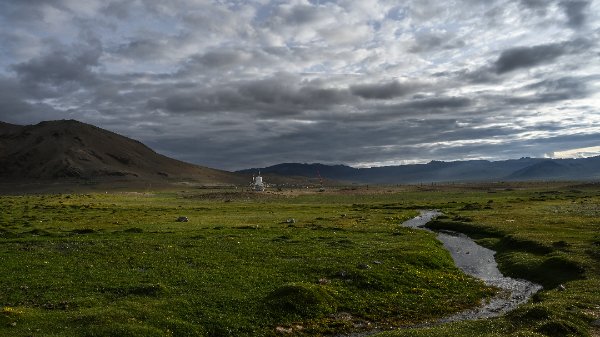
point(478, 262)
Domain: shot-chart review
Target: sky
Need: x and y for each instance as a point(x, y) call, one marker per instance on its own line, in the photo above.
point(235, 84)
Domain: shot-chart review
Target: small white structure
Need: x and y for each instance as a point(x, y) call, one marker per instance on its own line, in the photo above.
point(257, 181)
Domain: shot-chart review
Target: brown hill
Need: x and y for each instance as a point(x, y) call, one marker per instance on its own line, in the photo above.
point(71, 150)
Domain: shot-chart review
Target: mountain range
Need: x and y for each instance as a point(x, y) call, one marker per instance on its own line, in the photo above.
point(524, 169)
point(68, 150)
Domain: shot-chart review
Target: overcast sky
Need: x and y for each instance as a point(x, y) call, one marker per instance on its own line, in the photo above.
point(234, 84)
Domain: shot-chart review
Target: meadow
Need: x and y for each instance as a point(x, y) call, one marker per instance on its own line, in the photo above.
point(293, 263)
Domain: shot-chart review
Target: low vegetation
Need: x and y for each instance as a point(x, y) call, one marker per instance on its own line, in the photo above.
point(546, 234)
point(292, 263)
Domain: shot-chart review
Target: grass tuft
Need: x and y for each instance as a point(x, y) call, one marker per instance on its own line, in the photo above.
point(301, 301)
point(560, 328)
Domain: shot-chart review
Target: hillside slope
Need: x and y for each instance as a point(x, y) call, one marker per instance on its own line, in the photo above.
point(70, 149)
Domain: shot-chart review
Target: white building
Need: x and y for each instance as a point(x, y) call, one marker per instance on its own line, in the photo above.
point(258, 183)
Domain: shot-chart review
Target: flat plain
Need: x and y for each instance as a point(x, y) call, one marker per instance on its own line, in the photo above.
point(293, 262)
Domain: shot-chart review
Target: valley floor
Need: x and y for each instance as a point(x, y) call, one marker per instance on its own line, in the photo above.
point(293, 262)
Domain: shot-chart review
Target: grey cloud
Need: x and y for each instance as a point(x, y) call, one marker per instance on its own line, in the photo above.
point(276, 95)
point(485, 74)
point(527, 57)
point(16, 108)
point(281, 94)
point(439, 103)
point(387, 90)
point(59, 67)
point(535, 4)
point(272, 90)
point(575, 12)
point(429, 42)
point(140, 48)
point(325, 96)
point(299, 14)
point(177, 103)
point(519, 58)
point(553, 90)
point(420, 106)
point(482, 75)
point(236, 59)
point(539, 7)
point(23, 10)
point(118, 9)
point(215, 59)
point(571, 84)
point(13, 99)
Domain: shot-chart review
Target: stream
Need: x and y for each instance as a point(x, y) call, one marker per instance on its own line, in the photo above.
point(478, 262)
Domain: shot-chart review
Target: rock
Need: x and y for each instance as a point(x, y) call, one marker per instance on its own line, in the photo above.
point(363, 266)
point(283, 330)
point(341, 316)
point(183, 219)
point(324, 281)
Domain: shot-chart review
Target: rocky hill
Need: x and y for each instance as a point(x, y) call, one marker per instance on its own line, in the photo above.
point(68, 149)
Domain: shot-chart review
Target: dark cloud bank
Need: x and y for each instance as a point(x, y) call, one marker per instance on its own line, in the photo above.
point(238, 84)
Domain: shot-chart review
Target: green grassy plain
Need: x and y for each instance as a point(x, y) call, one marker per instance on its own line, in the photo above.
point(118, 264)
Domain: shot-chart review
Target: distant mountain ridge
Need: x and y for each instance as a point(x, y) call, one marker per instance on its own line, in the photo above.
point(524, 169)
point(68, 149)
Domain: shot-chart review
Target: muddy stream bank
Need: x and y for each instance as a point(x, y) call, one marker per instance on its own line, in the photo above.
point(478, 262)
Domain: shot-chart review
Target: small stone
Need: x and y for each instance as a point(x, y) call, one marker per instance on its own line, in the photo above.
point(283, 330)
point(324, 281)
point(183, 219)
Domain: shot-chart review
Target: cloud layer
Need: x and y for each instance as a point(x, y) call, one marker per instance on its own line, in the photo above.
point(235, 84)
